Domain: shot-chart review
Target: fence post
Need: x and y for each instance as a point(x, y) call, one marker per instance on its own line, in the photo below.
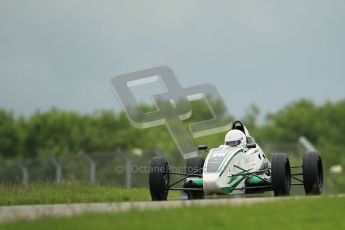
point(58, 168)
point(128, 167)
point(92, 164)
point(155, 152)
point(25, 172)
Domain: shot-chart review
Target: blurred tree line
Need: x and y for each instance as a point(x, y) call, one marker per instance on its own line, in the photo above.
point(58, 132)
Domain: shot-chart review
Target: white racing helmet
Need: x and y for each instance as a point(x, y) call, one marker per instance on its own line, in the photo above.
point(235, 138)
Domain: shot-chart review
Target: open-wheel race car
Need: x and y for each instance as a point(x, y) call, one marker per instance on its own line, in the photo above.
point(239, 166)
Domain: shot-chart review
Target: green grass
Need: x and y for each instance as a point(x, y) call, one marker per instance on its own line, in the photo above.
point(309, 213)
point(70, 192)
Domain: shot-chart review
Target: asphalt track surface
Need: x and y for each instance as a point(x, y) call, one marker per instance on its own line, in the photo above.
point(30, 212)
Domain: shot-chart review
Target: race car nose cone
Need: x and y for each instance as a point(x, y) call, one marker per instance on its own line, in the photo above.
point(210, 183)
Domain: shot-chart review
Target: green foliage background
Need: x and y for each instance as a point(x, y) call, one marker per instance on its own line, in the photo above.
point(57, 132)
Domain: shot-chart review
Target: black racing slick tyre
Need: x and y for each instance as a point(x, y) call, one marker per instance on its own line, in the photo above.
point(281, 174)
point(195, 166)
point(312, 173)
point(159, 179)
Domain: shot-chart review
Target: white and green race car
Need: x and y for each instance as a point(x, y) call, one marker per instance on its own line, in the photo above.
point(237, 167)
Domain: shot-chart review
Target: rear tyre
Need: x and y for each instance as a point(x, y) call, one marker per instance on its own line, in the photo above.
point(159, 179)
point(195, 164)
point(312, 173)
point(281, 174)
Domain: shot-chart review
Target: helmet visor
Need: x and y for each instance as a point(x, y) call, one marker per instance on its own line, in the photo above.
point(233, 143)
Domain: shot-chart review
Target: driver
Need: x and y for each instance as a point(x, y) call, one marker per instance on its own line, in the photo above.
point(235, 138)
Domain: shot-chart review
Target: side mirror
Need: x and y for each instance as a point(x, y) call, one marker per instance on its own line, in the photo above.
point(251, 146)
point(203, 147)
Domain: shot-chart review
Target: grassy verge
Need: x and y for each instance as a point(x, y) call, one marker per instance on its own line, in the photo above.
point(307, 213)
point(70, 192)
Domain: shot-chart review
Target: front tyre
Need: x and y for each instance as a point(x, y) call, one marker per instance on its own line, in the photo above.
point(159, 179)
point(281, 174)
point(312, 173)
